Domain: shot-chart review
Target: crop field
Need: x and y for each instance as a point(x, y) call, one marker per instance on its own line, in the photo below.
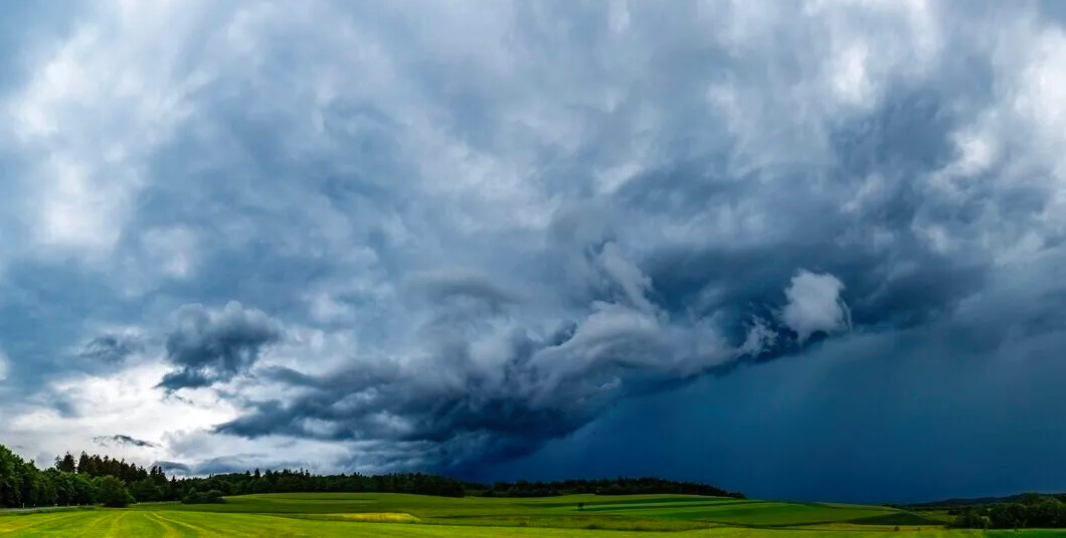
point(330, 515)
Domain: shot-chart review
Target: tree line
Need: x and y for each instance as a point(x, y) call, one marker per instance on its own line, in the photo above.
point(1031, 510)
point(90, 480)
point(94, 479)
point(22, 484)
point(301, 481)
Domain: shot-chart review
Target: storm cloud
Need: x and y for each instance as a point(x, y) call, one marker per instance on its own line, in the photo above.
point(211, 346)
point(462, 237)
point(488, 386)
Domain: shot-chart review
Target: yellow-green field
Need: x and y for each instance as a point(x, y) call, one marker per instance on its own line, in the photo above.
point(335, 515)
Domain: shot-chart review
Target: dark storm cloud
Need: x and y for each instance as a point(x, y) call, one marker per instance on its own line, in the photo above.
point(382, 400)
point(213, 346)
point(851, 422)
point(492, 388)
point(504, 391)
point(123, 440)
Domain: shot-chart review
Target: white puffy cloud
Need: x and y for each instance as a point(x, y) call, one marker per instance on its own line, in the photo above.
point(814, 304)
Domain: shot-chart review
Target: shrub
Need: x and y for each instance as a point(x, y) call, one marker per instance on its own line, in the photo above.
point(112, 493)
point(972, 520)
point(211, 497)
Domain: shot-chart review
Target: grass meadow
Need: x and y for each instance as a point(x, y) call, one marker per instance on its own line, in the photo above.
point(336, 515)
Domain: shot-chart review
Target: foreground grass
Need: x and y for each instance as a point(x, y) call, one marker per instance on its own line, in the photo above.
point(106, 523)
point(336, 515)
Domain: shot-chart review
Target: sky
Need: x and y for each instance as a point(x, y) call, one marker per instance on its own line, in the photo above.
point(809, 250)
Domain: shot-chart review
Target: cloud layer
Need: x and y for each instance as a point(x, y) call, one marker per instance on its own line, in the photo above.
point(374, 236)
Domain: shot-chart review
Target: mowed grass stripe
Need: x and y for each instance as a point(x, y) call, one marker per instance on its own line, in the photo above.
point(15, 523)
point(96, 524)
point(207, 524)
point(156, 527)
point(116, 523)
point(175, 528)
point(77, 524)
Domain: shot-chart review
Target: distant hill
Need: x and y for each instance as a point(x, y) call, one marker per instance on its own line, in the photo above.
point(976, 501)
point(604, 486)
point(947, 503)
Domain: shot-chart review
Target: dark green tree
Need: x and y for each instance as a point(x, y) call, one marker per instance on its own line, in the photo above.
point(85, 465)
point(65, 464)
point(10, 478)
point(146, 491)
point(112, 493)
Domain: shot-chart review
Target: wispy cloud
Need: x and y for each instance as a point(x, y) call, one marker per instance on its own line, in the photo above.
point(119, 439)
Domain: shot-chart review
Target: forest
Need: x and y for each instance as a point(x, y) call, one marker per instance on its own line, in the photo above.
point(94, 479)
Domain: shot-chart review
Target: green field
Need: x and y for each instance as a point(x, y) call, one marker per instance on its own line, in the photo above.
point(329, 515)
